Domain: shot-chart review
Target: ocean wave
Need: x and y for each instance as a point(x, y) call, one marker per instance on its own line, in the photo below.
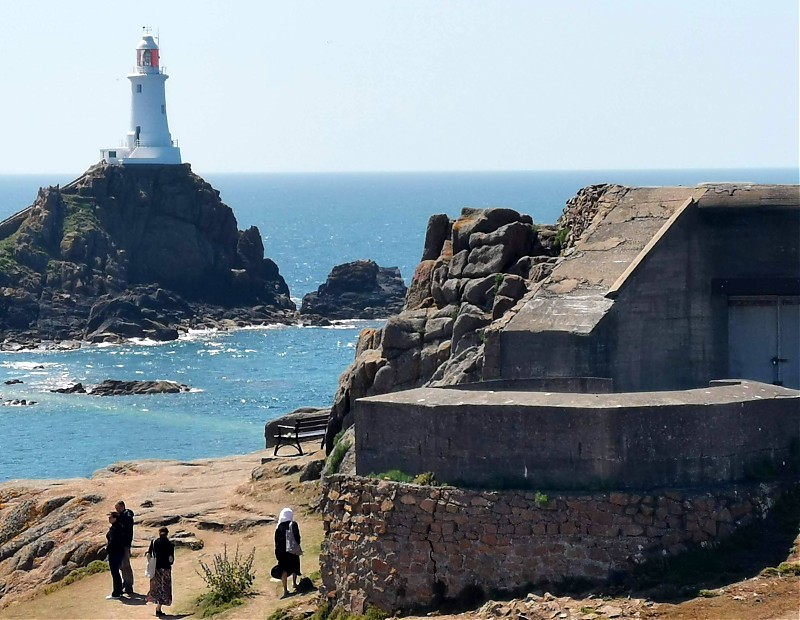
point(28, 365)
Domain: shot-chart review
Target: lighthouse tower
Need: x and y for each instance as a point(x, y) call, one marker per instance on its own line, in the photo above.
point(148, 141)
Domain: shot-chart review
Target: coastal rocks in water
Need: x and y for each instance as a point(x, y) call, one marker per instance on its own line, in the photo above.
point(111, 387)
point(18, 402)
point(357, 290)
point(13, 382)
point(473, 274)
point(144, 251)
point(72, 389)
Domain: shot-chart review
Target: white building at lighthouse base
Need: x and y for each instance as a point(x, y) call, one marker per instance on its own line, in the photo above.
point(142, 155)
point(148, 140)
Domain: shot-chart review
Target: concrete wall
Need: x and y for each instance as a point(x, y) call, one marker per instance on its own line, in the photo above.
point(399, 546)
point(667, 328)
point(549, 440)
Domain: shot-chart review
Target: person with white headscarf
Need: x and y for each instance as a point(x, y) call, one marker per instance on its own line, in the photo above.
point(287, 549)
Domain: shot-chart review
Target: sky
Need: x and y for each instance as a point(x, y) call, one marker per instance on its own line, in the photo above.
point(410, 85)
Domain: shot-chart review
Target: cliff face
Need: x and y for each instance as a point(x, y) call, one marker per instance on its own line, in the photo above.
point(157, 236)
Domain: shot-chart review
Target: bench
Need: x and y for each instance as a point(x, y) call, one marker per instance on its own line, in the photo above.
point(309, 427)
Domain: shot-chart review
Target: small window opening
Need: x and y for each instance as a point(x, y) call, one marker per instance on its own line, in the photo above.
point(138, 88)
point(163, 108)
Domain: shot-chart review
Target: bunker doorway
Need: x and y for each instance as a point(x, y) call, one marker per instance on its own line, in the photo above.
point(764, 339)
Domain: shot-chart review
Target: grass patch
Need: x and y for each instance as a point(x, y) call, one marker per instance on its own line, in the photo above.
point(707, 593)
point(561, 237)
point(7, 261)
point(94, 567)
point(336, 456)
point(789, 568)
point(209, 604)
point(393, 475)
point(326, 612)
point(79, 216)
point(540, 499)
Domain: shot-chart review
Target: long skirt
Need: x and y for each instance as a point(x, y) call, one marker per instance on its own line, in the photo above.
point(289, 563)
point(161, 587)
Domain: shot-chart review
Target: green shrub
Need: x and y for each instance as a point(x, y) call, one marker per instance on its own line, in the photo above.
point(227, 580)
point(540, 499)
point(426, 479)
point(561, 236)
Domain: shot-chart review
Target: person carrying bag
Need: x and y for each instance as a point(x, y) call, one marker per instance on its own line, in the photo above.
point(287, 550)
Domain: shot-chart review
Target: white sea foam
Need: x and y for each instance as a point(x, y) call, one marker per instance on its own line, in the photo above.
point(28, 365)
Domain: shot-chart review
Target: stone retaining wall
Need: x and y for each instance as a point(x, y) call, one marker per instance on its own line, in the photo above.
point(402, 546)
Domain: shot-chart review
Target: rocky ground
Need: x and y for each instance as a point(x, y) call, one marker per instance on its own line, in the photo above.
point(49, 528)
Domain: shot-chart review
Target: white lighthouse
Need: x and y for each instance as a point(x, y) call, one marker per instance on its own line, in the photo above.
point(148, 141)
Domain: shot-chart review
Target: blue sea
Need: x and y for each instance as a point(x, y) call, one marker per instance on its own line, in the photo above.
point(242, 379)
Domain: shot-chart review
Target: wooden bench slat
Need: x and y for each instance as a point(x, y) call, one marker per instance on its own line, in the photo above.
point(303, 428)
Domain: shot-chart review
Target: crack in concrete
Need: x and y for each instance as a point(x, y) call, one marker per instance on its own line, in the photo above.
point(430, 543)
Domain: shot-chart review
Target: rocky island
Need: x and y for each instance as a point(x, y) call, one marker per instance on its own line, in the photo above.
point(357, 290)
point(132, 251)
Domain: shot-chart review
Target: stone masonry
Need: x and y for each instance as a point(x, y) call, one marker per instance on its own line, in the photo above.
point(402, 546)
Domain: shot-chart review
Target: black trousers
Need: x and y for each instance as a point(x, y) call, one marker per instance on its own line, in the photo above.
point(115, 564)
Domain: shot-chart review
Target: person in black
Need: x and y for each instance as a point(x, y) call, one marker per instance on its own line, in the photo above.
point(289, 563)
point(126, 521)
point(161, 583)
point(115, 546)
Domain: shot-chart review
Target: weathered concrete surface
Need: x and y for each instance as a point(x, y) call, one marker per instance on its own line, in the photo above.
point(557, 440)
point(635, 299)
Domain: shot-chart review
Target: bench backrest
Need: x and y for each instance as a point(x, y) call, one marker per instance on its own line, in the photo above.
point(312, 423)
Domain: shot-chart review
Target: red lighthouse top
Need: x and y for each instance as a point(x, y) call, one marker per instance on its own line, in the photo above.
point(147, 53)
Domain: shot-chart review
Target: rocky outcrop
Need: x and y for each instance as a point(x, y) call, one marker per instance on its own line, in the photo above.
point(133, 251)
point(112, 387)
point(357, 290)
point(474, 273)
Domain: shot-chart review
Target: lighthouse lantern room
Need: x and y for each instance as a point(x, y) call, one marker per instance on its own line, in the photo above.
point(148, 140)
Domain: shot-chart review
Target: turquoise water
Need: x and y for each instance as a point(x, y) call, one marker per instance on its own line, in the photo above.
point(244, 378)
